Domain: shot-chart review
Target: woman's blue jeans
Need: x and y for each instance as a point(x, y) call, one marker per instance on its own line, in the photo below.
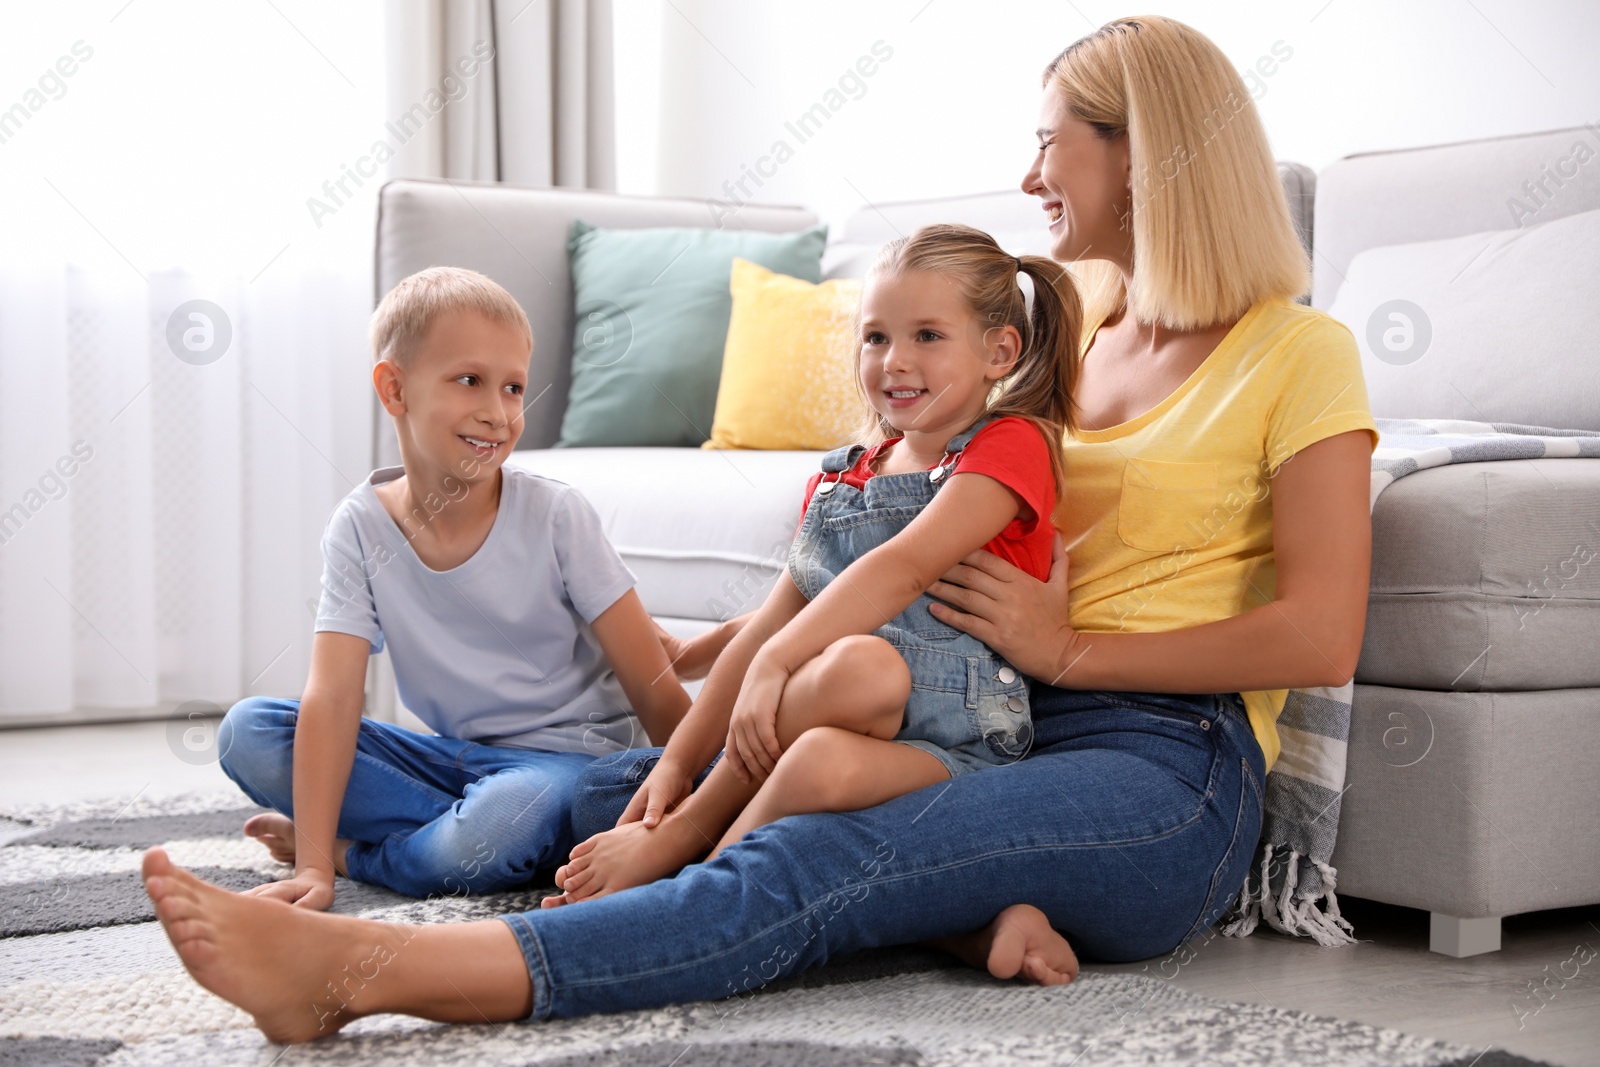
point(1131, 826)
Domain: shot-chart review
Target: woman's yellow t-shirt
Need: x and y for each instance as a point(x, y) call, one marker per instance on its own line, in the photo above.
point(1168, 517)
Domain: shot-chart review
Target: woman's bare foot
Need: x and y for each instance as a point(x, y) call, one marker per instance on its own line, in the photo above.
point(627, 855)
point(298, 973)
point(303, 974)
point(1019, 943)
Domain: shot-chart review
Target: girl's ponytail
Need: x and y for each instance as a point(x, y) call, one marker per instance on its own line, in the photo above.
point(1041, 388)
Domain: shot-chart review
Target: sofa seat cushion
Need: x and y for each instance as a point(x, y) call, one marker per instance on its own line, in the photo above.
point(706, 532)
point(1486, 576)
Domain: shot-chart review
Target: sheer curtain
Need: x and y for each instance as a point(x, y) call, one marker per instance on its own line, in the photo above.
point(185, 280)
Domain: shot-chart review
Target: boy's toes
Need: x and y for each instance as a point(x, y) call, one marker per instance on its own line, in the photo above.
point(582, 848)
point(553, 901)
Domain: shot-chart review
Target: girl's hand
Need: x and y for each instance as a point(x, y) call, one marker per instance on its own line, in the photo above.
point(752, 746)
point(664, 788)
point(1011, 611)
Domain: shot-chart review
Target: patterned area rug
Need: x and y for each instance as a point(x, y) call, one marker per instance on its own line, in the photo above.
point(86, 978)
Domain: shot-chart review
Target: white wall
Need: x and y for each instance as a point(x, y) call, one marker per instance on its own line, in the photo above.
point(705, 86)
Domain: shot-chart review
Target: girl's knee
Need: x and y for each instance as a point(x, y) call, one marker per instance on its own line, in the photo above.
point(808, 770)
point(871, 671)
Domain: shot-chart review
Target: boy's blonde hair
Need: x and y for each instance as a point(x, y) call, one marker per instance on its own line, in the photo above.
point(411, 307)
point(1039, 387)
point(1212, 234)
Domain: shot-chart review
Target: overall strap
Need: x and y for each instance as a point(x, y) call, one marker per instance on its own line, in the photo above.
point(964, 438)
point(952, 451)
point(842, 459)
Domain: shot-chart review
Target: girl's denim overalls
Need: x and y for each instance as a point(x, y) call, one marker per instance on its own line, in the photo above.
point(968, 707)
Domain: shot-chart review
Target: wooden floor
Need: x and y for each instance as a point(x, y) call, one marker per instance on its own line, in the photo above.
point(1388, 979)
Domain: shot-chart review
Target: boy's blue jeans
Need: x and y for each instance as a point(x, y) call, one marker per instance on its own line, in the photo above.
point(424, 814)
point(1131, 825)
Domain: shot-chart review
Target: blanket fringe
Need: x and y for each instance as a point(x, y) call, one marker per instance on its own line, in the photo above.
point(1304, 914)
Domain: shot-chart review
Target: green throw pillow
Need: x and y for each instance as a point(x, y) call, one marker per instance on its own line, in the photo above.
point(652, 309)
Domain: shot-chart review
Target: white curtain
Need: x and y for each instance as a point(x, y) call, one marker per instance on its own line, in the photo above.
point(540, 113)
point(166, 468)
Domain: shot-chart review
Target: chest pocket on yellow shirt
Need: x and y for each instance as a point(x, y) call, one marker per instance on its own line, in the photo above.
point(1161, 499)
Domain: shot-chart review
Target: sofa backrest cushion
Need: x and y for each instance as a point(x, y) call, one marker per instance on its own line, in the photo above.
point(1425, 194)
point(1494, 327)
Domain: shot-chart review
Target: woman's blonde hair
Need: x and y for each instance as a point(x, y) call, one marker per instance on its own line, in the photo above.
point(1212, 234)
point(1039, 387)
point(410, 308)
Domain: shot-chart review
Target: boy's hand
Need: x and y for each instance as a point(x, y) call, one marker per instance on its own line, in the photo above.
point(753, 727)
point(665, 786)
point(308, 889)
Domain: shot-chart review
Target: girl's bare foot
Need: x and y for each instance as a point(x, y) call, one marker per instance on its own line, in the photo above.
point(1019, 943)
point(304, 974)
point(275, 831)
point(627, 855)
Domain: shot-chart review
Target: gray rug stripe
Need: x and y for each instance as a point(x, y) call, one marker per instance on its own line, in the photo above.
point(740, 1054)
point(143, 832)
point(1497, 1058)
point(58, 905)
point(54, 1051)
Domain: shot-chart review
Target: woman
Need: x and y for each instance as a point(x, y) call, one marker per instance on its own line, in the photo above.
point(1208, 576)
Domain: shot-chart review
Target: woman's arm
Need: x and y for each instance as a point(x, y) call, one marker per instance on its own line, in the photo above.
point(1309, 635)
point(969, 512)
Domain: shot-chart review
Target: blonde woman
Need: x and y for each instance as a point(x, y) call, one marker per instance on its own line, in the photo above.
point(1217, 550)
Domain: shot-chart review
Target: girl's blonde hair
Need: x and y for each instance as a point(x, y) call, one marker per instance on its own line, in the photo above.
point(1039, 388)
point(1212, 234)
point(410, 308)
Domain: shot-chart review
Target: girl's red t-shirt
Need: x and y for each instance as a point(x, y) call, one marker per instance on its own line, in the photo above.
point(1012, 452)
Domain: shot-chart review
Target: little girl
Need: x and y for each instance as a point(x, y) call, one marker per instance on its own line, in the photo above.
point(844, 691)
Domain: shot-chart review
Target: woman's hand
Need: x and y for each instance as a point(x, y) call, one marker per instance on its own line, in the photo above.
point(752, 747)
point(663, 789)
point(1011, 611)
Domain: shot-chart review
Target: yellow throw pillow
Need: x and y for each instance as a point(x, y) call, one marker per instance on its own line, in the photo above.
point(789, 366)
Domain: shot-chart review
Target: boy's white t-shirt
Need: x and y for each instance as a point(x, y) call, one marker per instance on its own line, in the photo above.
point(498, 650)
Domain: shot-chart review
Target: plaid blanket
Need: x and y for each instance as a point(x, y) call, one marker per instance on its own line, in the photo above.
point(1292, 884)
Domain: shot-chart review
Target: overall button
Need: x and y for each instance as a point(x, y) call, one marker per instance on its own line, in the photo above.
point(1205, 724)
point(1006, 676)
point(826, 487)
point(1015, 703)
point(936, 474)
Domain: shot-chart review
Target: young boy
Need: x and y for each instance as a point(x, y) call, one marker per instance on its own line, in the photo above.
point(502, 605)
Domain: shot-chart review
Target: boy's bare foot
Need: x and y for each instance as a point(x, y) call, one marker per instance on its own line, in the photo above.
point(627, 855)
point(1019, 943)
point(275, 831)
point(279, 963)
